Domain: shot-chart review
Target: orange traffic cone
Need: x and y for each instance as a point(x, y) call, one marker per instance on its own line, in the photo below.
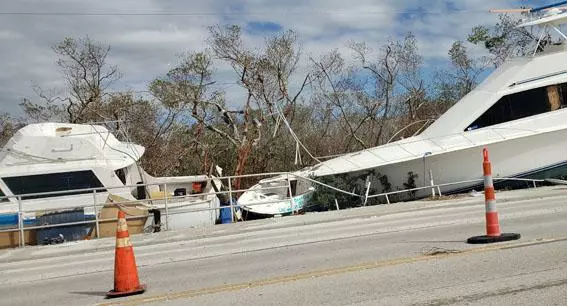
point(493, 233)
point(125, 271)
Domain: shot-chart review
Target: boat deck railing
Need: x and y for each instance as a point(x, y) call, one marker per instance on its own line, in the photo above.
point(191, 202)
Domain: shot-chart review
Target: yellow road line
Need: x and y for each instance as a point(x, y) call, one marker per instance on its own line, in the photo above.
point(321, 273)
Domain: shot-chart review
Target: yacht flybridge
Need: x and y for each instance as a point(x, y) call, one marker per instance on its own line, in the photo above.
point(43, 160)
point(519, 113)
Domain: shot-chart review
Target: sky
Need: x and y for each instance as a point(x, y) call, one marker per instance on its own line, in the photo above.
point(147, 36)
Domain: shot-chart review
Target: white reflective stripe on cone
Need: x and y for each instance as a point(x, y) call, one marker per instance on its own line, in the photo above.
point(491, 206)
point(488, 181)
point(122, 225)
point(123, 242)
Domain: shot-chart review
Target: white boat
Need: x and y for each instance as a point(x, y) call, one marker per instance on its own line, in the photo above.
point(61, 157)
point(518, 113)
point(272, 197)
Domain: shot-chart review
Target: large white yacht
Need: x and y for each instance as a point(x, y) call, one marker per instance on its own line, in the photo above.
point(61, 157)
point(518, 113)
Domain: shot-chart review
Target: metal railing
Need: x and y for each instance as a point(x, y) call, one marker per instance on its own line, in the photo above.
point(191, 200)
point(438, 186)
point(167, 201)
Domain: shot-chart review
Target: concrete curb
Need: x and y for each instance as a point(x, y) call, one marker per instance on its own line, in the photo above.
point(227, 230)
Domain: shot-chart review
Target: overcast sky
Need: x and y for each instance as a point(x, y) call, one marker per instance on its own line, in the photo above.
point(146, 41)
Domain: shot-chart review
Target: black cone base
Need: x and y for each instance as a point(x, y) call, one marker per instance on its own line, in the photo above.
point(492, 239)
point(114, 294)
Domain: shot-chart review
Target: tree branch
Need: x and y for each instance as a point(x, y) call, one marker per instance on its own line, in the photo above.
point(338, 104)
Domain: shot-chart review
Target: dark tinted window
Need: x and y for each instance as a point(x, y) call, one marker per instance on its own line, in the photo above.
point(52, 182)
point(1, 195)
point(121, 173)
point(523, 104)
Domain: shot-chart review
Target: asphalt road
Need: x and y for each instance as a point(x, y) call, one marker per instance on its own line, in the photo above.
point(401, 254)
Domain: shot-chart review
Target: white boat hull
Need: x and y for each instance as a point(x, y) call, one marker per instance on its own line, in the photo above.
point(278, 207)
point(455, 160)
point(516, 157)
point(187, 214)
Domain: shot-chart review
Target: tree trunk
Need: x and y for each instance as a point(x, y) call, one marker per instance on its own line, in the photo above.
point(243, 154)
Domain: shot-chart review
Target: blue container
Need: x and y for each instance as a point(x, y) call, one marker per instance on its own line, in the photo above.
point(225, 215)
point(8, 220)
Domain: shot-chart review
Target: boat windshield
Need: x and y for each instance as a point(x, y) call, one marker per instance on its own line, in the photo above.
point(523, 104)
point(73, 182)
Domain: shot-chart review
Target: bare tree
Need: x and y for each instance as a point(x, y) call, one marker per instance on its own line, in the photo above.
point(8, 127)
point(189, 124)
point(83, 63)
point(346, 103)
point(463, 75)
point(223, 129)
point(189, 102)
point(265, 75)
point(398, 83)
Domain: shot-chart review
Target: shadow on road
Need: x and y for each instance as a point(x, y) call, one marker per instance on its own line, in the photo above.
point(92, 293)
point(433, 241)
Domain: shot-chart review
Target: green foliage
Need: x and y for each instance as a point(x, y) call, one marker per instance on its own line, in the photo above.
point(453, 84)
point(411, 183)
point(459, 57)
point(185, 85)
point(386, 186)
point(324, 198)
point(503, 39)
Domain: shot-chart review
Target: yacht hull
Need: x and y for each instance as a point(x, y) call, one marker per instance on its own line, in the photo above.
point(535, 156)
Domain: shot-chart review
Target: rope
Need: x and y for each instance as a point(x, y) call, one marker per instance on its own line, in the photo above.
point(326, 185)
point(112, 148)
point(135, 158)
point(297, 154)
point(298, 142)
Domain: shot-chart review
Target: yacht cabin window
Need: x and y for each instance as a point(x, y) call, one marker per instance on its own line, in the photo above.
point(121, 173)
point(523, 104)
point(3, 195)
point(50, 182)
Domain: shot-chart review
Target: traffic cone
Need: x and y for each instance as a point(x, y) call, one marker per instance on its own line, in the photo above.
point(493, 233)
point(126, 280)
